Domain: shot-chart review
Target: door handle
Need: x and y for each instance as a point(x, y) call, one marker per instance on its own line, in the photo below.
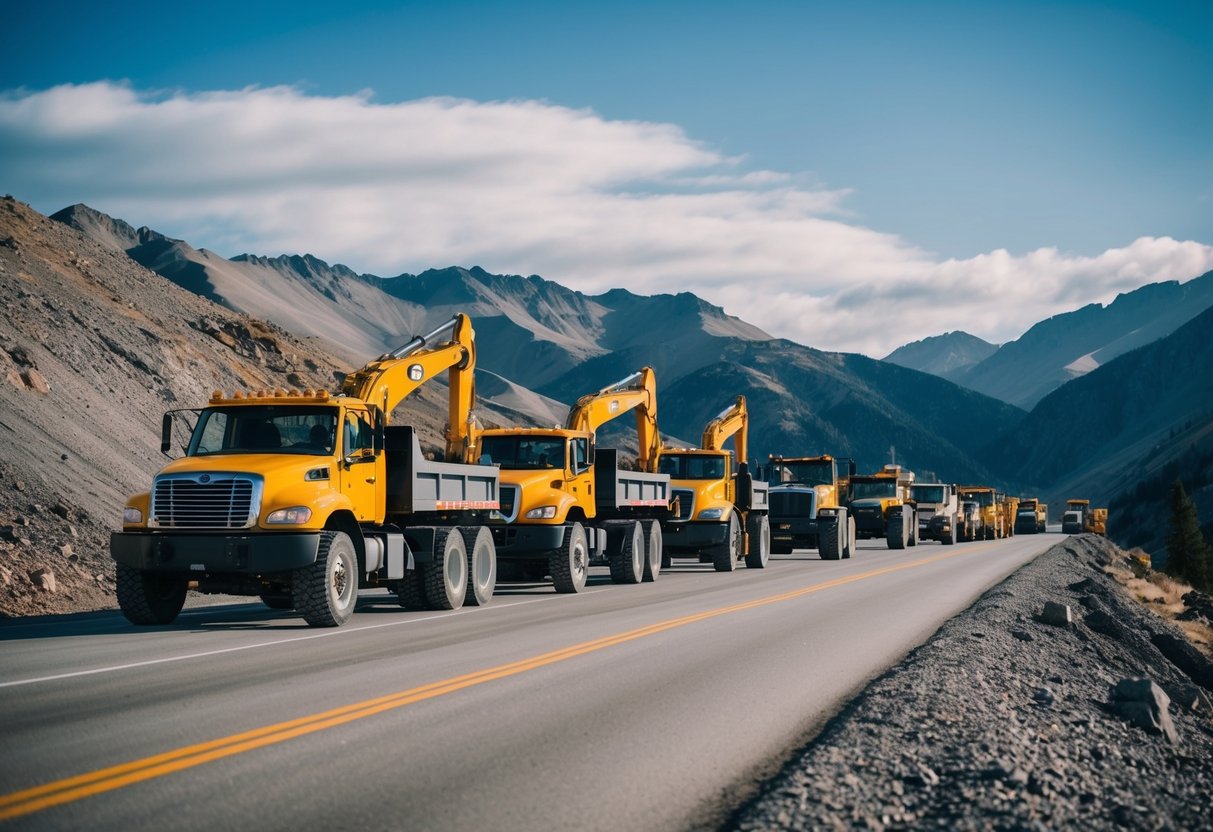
point(370, 480)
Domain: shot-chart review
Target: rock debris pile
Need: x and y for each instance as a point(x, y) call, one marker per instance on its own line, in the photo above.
point(1054, 702)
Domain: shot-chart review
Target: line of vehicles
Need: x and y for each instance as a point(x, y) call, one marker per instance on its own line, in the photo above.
point(303, 497)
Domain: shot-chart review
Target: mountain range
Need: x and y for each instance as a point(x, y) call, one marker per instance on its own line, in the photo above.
point(1063, 347)
point(549, 344)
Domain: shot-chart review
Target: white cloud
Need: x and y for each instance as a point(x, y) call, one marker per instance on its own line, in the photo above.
point(530, 187)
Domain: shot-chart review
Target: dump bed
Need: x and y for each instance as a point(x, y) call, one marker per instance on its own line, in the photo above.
point(615, 489)
point(416, 484)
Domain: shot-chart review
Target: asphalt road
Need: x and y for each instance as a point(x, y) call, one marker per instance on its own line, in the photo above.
point(627, 707)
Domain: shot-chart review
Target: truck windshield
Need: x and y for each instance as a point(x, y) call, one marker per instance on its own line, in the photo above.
point(806, 473)
point(264, 429)
point(868, 490)
point(692, 466)
point(982, 498)
point(927, 493)
point(522, 452)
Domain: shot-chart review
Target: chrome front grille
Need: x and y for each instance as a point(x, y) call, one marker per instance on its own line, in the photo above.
point(792, 503)
point(205, 501)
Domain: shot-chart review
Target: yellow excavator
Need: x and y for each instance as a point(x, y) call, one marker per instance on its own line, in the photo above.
point(567, 504)
point(807, 505)
point(722, 511)
point(302, 497)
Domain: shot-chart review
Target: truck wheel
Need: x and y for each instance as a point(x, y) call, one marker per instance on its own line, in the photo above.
point(724, 558)
point(912, 534)
point(570, 566)
point(482, 564)
point(654, 561)
point(149, 597)
point(829, 538)
point(410, 590)
point(758, 529)
point(627, 562)
point(895, 536)
point(950, 538)
point(278, 600)
point(849, 546)
point(446, 579)
point(327, 591)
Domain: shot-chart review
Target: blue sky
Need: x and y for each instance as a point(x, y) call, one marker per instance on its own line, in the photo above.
point(943, 134)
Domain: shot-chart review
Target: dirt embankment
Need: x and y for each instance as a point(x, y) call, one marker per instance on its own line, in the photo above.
point(1011, 718)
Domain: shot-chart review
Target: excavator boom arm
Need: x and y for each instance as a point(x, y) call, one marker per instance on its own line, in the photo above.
point(389, 379)
point(636, 392)
point(733, 421)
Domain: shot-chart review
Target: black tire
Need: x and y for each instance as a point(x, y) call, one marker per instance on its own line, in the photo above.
point(895, 535)
point(326, 591)
point(626, 558)
point(446, 578)
point(950, 538)
point(780, 549)
point(725, 556)
point(570, 566)
point(654, 559)
point(410, 591)
point(278, 600)
point(849, 546)
point(829, 537)
point(758, 529)
point(912, 534)
point(482, 565)
point(150, 597)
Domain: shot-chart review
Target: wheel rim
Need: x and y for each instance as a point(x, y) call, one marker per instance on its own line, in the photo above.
point(579, 559)
point(638, 552)
point(484, 568)
point(454, 569)
point(340, 582)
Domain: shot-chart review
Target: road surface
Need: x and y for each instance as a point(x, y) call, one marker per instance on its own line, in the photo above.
point(654, 706)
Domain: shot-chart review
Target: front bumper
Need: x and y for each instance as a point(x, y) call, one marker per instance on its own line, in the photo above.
point(247, 554)
point(693, 537)
point(522, 542)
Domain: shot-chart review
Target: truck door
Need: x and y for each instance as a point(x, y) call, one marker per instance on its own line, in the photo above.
point(581, 475)
point(360, 466)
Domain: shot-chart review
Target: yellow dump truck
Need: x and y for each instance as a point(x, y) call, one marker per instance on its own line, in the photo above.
point(1081, 517)
point(882, 506)
point(302, 497)
point(988, 525)
point(807, 505)
point(1031, 517)
point(722, 509)
point(567, 504)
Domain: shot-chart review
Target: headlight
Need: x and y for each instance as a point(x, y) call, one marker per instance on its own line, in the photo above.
point(541, 513)
point(294, 516)
point(131, 516)
point(711, 514)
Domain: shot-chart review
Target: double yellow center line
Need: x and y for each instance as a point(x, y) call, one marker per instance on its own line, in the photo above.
point(104, 780)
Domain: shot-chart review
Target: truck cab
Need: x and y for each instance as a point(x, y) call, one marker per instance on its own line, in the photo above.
point(937, 509)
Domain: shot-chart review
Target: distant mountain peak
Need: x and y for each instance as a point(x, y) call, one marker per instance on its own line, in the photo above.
point(943, 355)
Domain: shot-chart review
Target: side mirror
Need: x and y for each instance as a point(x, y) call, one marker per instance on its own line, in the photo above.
point(166, 433)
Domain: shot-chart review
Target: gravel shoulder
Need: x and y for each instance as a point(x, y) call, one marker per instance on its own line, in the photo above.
point(1003, 721)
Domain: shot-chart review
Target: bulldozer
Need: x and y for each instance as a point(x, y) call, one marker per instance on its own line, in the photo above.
point(722, 509)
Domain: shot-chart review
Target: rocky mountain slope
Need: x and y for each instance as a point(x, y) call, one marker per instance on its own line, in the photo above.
point(548, 344)
point(1073, 344)
point(1011, 719)
point(947, 356)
